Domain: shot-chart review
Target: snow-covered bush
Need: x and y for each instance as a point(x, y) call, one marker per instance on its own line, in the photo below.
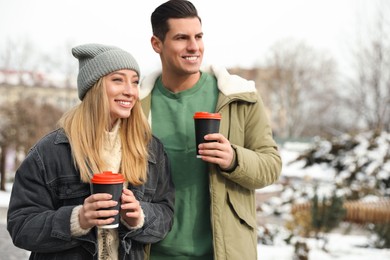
point(361, 163)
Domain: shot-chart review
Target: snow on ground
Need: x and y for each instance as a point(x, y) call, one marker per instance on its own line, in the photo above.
point(5, 195)
point(341, 247)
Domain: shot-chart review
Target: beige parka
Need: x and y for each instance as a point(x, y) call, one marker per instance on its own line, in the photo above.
point(245, 123)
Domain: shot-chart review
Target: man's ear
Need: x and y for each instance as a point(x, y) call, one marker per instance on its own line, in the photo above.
point(156, 44)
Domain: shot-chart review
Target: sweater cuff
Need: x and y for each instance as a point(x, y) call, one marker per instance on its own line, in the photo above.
point(75, 229)
point(140, 225)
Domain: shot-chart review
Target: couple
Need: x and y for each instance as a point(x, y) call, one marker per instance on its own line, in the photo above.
point(173, 205)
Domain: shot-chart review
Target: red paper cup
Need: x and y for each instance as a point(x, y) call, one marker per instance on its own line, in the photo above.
point(205, 123)
point(112, 183)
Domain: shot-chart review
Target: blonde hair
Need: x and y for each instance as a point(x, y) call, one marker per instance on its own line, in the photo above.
point(85, 127)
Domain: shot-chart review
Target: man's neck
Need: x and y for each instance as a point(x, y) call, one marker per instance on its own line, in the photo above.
point(177, 83)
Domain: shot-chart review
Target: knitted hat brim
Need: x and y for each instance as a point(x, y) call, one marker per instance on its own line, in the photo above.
point(102, 65)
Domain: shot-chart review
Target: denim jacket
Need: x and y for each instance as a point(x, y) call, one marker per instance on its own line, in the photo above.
point(47, 187)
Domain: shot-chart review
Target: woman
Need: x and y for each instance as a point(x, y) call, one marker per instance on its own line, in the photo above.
point(52, 212)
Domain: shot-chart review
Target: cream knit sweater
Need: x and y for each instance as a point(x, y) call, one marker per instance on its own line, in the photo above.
point(108, 241)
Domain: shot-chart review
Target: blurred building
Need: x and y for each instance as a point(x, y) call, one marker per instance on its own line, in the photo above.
point(62, 98)
point(16, 85)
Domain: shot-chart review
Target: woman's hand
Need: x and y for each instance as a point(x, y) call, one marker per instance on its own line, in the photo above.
point(131, 210)
point(90, 212)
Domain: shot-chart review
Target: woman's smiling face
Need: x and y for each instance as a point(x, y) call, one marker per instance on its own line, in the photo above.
point(122, 92)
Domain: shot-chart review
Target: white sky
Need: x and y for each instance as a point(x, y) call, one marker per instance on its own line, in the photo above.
point(237, 33)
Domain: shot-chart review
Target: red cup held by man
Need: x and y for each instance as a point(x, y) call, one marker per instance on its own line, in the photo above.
point(205, 123)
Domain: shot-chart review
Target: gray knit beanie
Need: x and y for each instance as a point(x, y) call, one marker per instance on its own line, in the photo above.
point(98, 60)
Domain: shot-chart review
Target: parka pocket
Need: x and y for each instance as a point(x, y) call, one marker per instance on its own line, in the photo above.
point(239, 228)
point(241, 205)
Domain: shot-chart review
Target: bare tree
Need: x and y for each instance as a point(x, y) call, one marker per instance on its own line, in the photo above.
point(22, 124)
point(6, 56)
point(60, 62)
point(21, 58)
point(300, 89)
point(369, 94)
point(6, 59)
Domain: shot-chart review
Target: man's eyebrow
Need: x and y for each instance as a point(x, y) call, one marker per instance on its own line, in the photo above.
point(181, 35)
point(187, 35)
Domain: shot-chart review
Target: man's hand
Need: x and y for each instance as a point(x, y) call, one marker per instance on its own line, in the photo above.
point(219, 152)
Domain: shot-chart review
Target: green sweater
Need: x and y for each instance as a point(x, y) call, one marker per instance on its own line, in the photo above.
point(173, 124)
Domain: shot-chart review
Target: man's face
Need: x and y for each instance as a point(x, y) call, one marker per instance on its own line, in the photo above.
point(182, 50)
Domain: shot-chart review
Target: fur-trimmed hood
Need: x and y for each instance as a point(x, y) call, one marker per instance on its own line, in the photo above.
point(228, 84)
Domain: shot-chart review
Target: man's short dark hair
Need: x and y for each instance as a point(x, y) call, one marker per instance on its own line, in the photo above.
point(171, 9)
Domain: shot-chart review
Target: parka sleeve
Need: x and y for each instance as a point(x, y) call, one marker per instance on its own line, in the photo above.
point(258, 160)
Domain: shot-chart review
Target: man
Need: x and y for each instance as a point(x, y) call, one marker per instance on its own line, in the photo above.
point(215, 214)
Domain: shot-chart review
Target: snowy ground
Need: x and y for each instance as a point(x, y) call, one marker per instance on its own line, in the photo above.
point(341, 247)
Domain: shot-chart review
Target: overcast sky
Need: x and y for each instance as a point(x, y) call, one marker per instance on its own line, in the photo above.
point(236, 32)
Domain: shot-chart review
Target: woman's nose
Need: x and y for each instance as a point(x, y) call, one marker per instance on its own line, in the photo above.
point(131, 89)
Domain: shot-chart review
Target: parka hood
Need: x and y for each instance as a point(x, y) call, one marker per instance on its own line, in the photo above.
point(228, 84)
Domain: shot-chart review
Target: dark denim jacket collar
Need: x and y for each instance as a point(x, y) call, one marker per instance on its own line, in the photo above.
point(61, 137)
